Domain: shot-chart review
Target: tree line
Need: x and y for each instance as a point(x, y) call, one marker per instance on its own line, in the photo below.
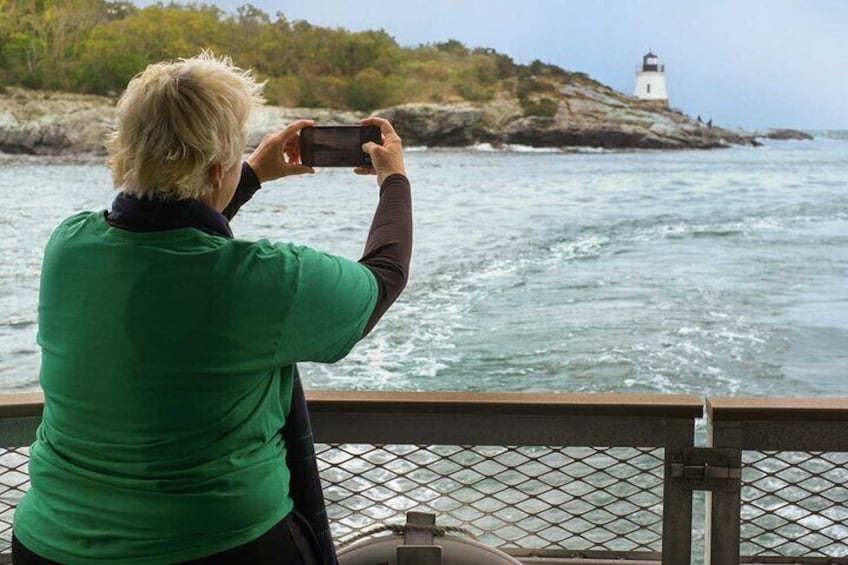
point(97, 46)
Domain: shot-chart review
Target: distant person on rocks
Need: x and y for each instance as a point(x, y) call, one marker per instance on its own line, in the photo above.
point(700, 121)
point(710, 123)
point(169, 346)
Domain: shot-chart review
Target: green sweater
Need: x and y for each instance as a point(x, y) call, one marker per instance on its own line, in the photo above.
point(167, 372)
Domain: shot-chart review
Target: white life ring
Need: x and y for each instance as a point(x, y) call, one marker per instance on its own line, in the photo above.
point(455, 551)
point(420, 541)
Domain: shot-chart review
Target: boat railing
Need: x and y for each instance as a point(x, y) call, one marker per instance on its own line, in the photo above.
point(792, 502)
point(566, 478)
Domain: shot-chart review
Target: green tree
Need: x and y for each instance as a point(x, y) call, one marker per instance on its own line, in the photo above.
point(370, 90)
point(453, 46)
point(117, 50)
point(99, 45)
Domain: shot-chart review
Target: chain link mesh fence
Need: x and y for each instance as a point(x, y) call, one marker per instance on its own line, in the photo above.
point(564, 498)
point(575, 498)
point(14, 482)
point(794, 504)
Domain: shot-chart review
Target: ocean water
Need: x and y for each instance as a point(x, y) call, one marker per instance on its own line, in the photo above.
point(709, 272)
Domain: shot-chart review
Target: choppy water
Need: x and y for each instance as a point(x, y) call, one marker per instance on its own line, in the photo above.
point(720, 272)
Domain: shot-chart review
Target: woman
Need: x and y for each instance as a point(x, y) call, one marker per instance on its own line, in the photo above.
point(168, 346)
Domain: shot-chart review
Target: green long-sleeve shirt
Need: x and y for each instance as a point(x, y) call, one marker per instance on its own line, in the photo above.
point(166, 370)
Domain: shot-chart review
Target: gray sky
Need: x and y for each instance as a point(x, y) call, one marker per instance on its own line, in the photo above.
point(748, 63)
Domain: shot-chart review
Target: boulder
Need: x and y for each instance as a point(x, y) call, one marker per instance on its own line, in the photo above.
point(444, 125)
point(50, 123)
point(270, 119)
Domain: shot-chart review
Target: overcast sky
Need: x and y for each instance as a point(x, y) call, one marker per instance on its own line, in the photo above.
point(748, 63)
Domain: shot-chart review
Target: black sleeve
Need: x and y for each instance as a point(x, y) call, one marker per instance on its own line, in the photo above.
point(247, 187)
point(388, 249)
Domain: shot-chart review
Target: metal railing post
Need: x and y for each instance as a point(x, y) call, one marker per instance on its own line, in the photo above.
point(722, 520)
point(677, 507)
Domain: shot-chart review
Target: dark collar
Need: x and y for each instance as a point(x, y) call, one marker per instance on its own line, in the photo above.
point(142, 215)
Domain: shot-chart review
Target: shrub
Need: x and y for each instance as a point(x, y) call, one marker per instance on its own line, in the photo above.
point(284, 90)
point(541, 107)
point(474, 92)
point(529, 86)
point(370, 90)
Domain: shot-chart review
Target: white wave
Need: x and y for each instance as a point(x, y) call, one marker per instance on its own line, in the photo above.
point(486, 148)
point(581, 248)
point(512, 148)
point(588, 149)
point(530, 149)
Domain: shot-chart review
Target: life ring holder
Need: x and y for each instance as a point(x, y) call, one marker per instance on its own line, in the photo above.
point(419, 542)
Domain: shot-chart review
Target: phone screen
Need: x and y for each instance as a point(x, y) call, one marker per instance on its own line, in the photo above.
point(336, 146)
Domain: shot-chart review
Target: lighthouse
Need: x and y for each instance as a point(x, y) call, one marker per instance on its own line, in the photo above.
point(650, 80)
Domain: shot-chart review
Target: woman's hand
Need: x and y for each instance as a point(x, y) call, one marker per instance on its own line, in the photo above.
point(386, 159)
point(278, 154)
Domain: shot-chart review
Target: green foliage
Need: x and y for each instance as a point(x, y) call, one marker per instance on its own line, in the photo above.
point(530, 86)
point(474, 92)
point(542, 107)
point(283, 91)
point(452, 46)
point(370, 90)
point(99, 45)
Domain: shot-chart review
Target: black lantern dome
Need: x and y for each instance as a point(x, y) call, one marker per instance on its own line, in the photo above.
point(650, 62)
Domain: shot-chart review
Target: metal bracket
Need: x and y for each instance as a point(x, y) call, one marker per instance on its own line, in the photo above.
point(419, 528)
point(418, 548)
point(708, 468)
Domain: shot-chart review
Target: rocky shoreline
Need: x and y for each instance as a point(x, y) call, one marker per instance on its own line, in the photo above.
point(52, 123)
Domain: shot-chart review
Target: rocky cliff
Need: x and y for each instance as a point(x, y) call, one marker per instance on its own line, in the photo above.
point(583, 116)
point(49, 123)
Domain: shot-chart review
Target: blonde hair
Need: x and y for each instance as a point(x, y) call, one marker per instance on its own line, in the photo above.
point(175, 120)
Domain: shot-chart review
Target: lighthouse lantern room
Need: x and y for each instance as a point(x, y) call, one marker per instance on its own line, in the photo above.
point(650, 80)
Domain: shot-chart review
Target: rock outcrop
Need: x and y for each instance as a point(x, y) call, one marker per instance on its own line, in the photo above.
point(50, 123)
point(787, 134)
point(584, 116)
point(578, 115)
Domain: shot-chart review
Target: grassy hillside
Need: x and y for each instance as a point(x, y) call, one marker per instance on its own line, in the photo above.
point(96, 46)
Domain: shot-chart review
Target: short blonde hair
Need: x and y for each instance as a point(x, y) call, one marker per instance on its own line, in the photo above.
point(175, 120)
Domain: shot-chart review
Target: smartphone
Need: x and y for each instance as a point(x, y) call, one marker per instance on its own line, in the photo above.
point(337, 146)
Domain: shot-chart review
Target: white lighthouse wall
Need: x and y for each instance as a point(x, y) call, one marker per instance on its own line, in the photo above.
point(656, 80)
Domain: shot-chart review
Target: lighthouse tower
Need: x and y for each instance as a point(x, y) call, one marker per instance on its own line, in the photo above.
point(650, 80)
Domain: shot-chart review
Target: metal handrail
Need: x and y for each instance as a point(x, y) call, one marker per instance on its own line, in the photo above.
point(665, 422)
point(817, 427)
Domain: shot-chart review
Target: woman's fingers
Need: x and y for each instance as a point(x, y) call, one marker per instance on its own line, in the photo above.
point(299, 170)
point(291, 130)
point(382, 123)
point(292, 150)
point(369, 147)
point(386, 158)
